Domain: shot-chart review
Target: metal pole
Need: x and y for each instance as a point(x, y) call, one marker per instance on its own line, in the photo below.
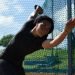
point(74, 39)
point(69, 40)
point(52, 18)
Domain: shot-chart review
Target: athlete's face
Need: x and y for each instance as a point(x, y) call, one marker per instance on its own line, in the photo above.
point(43, 27)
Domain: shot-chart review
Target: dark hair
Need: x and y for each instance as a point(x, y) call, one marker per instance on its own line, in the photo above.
point(44, 17)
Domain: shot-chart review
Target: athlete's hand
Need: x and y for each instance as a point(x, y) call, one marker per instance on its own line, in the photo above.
point(70, 25)
point(38, 9)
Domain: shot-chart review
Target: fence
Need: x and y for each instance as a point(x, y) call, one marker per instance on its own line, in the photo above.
point(61, 59)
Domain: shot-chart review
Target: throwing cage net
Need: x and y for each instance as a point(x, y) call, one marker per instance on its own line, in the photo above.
point(60, 59)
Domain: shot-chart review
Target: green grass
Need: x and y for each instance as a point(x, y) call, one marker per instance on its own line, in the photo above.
point(73, 57)
point(38, 54)
point(46, 52)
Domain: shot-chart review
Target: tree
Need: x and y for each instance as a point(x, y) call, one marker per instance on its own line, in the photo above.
point(5, 40)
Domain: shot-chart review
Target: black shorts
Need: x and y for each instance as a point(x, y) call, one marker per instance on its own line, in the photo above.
point(7, 68)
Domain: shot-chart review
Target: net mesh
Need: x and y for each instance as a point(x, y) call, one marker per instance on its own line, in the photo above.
point(57, 58)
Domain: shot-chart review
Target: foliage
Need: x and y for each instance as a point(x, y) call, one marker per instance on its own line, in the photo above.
point(5, 40)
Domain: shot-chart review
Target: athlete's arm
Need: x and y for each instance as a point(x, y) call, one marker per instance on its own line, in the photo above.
point(59, 38)
point(38, 10)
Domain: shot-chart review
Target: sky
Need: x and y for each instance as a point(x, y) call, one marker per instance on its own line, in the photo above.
point(14, 13)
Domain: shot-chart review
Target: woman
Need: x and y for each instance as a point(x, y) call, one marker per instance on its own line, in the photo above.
point(30, 38)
